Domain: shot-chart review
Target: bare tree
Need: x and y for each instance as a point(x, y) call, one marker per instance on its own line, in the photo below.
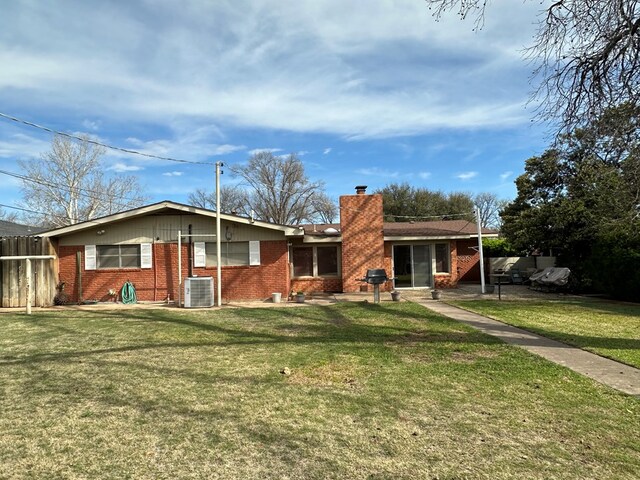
point(490, 207)
point(586, 56)
point(68, 185)
point(325, 209)
point(232, 199)
point(280, 192)
point(8, 216)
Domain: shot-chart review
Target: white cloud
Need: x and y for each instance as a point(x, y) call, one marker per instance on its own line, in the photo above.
point(424, 175)
point(266, 150)
point(91, 124)
point(225, 149)
point(298, 154)
point(121, 167)
point(359, 70)
point(378, 172)
point(467, 175)
point(181, 147)
point(172, 174)
point(505, 175)
point(327, 151)
point(16, 145)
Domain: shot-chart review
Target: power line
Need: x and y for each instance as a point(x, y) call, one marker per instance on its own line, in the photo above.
point(92, 193)
point(48, 214)
point(441, 216)
point(100, 144)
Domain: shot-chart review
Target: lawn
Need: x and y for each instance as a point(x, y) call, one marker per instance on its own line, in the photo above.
point(372, 391)
point(608, 329)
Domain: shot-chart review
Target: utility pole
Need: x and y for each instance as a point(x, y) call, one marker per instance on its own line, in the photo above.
point(479, 225)
point(218, 245)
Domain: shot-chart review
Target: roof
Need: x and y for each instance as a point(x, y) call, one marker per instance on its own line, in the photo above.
point(407, 230)
point(10, 229)
point(319, 228)
point(434, 229)
point(164, 207)
point(437, 229)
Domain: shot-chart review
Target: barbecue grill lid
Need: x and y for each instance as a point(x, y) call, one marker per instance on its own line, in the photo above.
point(376, 272)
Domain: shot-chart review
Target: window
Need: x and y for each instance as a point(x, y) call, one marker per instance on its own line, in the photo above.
point(442, 258)
point(233, 254)
point(318, 261)
point(303, 262)
point(118, 256)
point(327, 260)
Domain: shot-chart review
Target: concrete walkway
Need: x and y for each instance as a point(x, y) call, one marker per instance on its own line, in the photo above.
point(616, 375)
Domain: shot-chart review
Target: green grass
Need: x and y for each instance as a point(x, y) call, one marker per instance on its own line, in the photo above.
point(375, 391)
point(608, 329)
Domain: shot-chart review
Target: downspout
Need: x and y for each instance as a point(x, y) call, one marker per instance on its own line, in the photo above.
point(179, 268)
point(482, 287)
point(189, 254)
point(155, 272)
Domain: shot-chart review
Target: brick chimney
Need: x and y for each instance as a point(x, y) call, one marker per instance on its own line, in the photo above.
point(361, 225)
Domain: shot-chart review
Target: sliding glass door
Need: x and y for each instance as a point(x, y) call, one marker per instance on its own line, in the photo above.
point(402, 266)
point(412, 266)
point(421, 265)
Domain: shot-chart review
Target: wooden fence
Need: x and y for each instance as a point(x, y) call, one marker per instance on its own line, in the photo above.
point(44, 275)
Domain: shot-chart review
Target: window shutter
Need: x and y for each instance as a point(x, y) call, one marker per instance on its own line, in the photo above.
point(199, 255)
point(89, 257)
point(254, 253)
point(146, 255)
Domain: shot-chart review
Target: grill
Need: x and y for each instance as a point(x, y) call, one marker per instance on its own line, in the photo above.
point(376, 277)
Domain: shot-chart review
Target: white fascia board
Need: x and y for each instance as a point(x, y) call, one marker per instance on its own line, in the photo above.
point(78, 227)
point(441, 237)
point(311, 239)
point(287, 230)
point(29, 257)
point(486, 235)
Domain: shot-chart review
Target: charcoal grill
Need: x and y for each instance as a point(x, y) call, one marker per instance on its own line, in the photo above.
point(376, 277)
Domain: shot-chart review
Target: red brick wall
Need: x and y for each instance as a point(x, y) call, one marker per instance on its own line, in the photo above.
point(443, 280)
point(468, 261)
point(388, 266)
point(361, 225)
point(257, 282)
point(450, 280)
point(154, 284)
point(310, 285)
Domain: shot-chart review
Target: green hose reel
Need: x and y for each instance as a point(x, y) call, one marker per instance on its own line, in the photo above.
point(128, 293)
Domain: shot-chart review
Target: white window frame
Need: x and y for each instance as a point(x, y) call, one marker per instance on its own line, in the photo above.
point(90, 257)
point(200, 254)
point(92, 261)
point(254, 253)
point(315, 260)
point(448, 254)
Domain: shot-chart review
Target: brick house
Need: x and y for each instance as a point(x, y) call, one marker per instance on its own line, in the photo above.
point(259, 258)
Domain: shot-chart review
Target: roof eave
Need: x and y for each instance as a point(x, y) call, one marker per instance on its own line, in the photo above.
point(414, 238)
point(287, 230)
point(322, 239)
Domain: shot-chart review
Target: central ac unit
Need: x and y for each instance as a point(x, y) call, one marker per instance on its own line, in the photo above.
point(198, 292)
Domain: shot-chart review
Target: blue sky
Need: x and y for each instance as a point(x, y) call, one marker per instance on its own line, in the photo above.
point(366, 92)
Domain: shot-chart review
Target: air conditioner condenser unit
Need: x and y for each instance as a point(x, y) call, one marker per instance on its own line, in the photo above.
point(198, 292)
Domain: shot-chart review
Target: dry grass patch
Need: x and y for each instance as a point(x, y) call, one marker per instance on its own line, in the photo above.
point(339, 374)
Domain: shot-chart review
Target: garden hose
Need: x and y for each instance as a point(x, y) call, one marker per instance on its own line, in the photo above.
point(128, 293)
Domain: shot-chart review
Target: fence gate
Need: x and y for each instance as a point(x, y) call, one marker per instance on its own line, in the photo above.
point(44, 275)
